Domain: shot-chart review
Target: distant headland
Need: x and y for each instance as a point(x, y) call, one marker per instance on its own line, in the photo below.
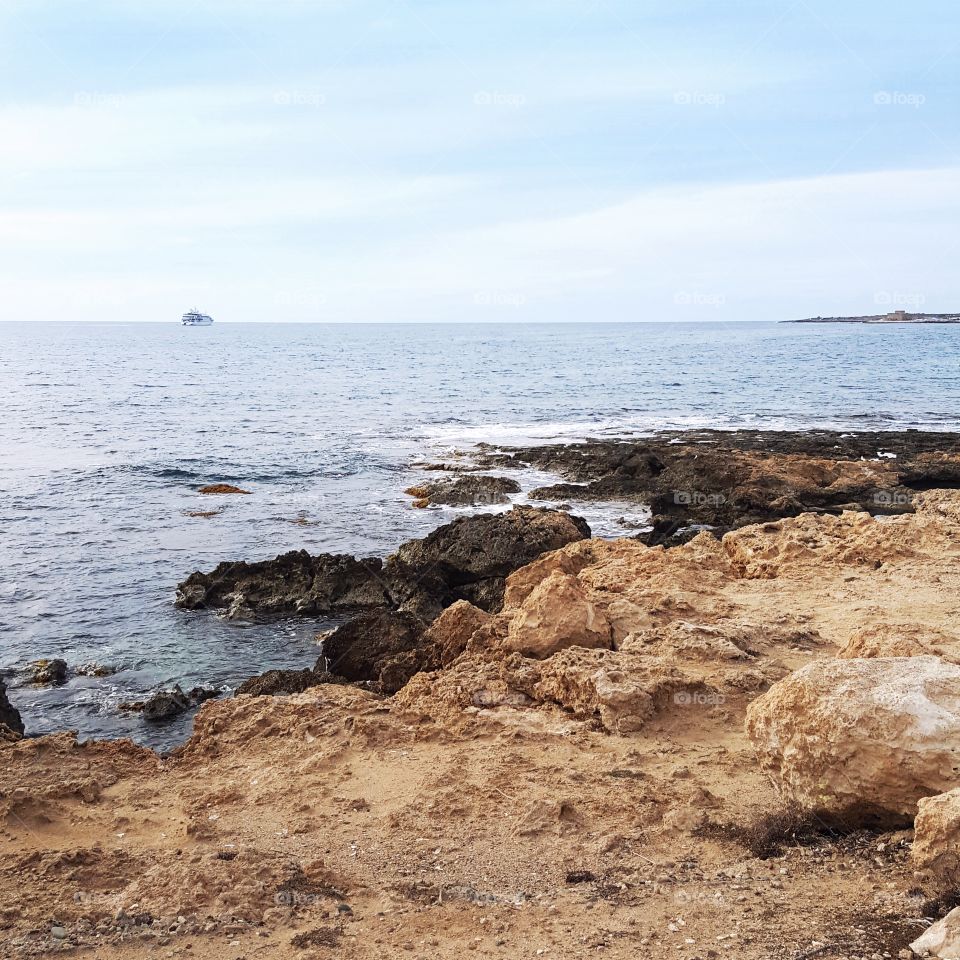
point(897, 316)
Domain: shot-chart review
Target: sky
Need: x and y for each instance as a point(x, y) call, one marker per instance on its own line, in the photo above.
point(449, 160)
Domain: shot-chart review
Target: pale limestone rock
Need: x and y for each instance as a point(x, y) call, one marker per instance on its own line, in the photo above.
point(942, 940)
point(557, 615)
point(861, 740)
point(936, 844)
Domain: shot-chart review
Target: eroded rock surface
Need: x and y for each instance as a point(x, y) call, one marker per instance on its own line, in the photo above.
point(864, 740)
point(470, 490)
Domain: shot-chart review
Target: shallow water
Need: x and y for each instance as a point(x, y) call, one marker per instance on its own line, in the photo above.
point(109, 429)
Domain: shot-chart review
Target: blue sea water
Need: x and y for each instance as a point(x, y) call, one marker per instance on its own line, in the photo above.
point(108, 430)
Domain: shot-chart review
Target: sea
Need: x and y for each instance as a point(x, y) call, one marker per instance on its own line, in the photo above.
point(108, 431)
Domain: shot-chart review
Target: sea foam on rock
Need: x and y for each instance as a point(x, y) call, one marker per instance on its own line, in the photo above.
point(863, 740)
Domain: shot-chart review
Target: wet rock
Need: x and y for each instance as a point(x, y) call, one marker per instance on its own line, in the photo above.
point(95, 670)
point(725, 479)
point(167, 704)
point(936, 844)
point(466, 491)
point(9, 715)
point(215, 488)
point(293, 584)
point(557, 615)
point(380, 648)
point(49, 673)
point(861, 741)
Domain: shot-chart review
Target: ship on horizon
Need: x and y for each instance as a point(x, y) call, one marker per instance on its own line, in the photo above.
point(194, 318)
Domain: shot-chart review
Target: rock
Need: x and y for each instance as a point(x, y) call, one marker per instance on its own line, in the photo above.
point(460, 558)
point(447, 637)
point(165, 705)
point(861, 741)
point(293, 584)
point(50, 672)
point(379, 647)
point(214, 488)
point(557, 615)
point(465, 491)
point(900, 640)
point(936, 844)
point(9, 715)
point(282, 682)
point(942, 939)
point(95, 670)
point(467, 559)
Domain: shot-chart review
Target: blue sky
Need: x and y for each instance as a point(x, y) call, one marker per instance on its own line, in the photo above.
point(445, 160)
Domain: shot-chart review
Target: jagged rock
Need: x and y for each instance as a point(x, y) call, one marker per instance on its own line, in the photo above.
point(167, 704)
point(215, 488)
point(447, 637)
point(470, 557)
point(466, 559)
point(936, 843)
point(275, 683)
point(942, 940)
point(557, 615)
point(9, 715)
point(381, 647)
point(861, 741)
point(293, 584)
point(50, 672)
point(466, 491)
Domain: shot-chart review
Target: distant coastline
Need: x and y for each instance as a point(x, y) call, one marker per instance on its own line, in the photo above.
point(898, 316)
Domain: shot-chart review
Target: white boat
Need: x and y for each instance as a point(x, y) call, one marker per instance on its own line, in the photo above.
point(194, 318)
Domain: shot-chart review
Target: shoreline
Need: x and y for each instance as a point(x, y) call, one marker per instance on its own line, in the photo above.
point(536, 740)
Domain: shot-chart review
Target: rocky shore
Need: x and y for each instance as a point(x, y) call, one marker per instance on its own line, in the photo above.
point(524, 741)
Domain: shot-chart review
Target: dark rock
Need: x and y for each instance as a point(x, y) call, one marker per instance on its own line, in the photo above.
point(165, 705)
point(50, 672)
point(725, 479)
point(9, 715)
point(466, 491)
point(293, 584)
point(276, 683)
point(378, 648)
point(467, 558)
point(459, 558)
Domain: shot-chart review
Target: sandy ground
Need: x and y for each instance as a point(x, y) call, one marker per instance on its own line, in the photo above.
point(336, 824)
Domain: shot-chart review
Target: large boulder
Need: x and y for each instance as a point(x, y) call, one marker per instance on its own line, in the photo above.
point(936, 843)
point(293, 584)
point(557, 615)
point(864, 740)
point(9, 715)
